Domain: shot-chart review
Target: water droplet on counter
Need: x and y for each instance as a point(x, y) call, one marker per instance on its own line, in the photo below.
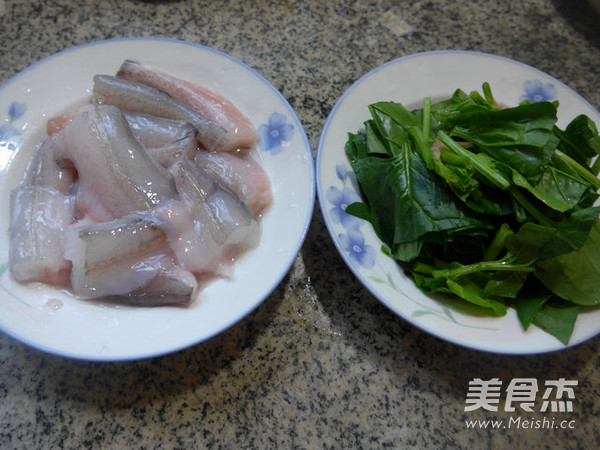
point(306, 304)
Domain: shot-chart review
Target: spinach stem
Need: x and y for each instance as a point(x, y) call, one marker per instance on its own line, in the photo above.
point(529, 207)
point(422, 268)
point(427, 117)
point(487, 92)
point(497, 244)
point(422, 146)
point(596, 166)
point(584, 172)
point(484, 169)
point(484, 266)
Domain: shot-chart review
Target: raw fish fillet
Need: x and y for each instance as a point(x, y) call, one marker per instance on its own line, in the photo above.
point(39, 217)
point(136, 97)
point(171, 285)
point(115, 174)
point(116, 257)
point(210, 227)
point(189, 238)
point(169, 154)
point(154, 131)
point(44, 171)
point(242, 176)
point(240, 131)
point(165, 140)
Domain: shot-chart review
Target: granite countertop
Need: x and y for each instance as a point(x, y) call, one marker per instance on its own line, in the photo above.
point(321, 363)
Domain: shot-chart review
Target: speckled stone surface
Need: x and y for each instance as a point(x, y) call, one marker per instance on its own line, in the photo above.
point(321, 363)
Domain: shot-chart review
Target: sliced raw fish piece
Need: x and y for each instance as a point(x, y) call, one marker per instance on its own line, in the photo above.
point(166, 156)
point(165, 140)
point(240, 131)
point(172, 285)
point(153, 131)
point(115, 174)
point(190, 240)
point(232, 222)
point(44, 171)
point(39, 217)
point(116, 257)
point(242, 176)
point(137, 97)
point(212, 227)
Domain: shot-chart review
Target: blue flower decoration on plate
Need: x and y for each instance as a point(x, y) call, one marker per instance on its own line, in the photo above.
point(16, 110)
point(341, 171)
point(536, 91)
point(340, 199)
point(353, 243)
point(10, 137)
point(272, 135)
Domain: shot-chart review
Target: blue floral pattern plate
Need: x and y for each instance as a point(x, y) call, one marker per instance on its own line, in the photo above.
point(408, 80)
point(55, 322)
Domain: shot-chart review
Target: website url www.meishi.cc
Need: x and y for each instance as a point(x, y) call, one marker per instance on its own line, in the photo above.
point(521, 423)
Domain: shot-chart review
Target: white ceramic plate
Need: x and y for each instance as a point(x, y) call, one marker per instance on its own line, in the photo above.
point(55, 322)
point(408, 80)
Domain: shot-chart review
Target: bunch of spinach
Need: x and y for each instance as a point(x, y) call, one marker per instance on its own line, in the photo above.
point(494, 205)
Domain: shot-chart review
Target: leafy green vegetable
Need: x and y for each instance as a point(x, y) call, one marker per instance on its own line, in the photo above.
point(529, 307)
point(557, 320)
point(574, 275)
point(415, 200)
point(486, 204)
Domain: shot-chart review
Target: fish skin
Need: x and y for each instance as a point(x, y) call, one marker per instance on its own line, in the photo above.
point(137, 97)
point(241, 132)
point(116, 175)
point(153, 131)
point(165, 140)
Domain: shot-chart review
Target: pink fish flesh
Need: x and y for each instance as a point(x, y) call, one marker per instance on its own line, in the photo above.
point(242, 176)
